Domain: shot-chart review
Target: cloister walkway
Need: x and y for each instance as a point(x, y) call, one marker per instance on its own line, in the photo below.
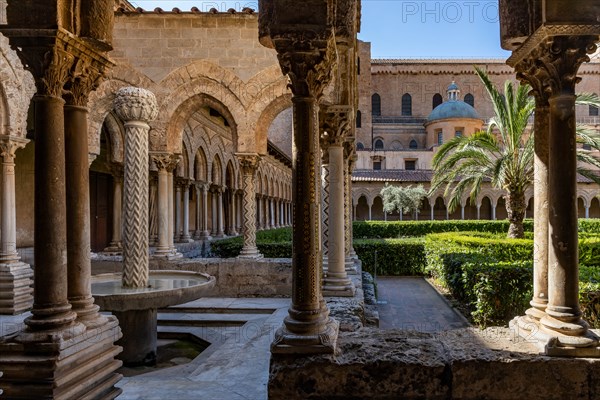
point(411, 303)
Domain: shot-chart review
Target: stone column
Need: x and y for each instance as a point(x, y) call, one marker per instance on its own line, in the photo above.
point(325, 186)
point(587, 212)
point(15, 276)
point(249, 164)
point(153, 209)
point(432, 215)
point(219, 195)
point(563, 314)
point(198, 225)
point(335, 127)
point(51, 309)
point(232, 213)
point(177, 235)
point(478, 212)
point(136, 107)
point(79, 266)
point(493, 211)
point(462, 212)
point(185, 236)
point(551, 68)
point(370, 207)
point(116, 246)
point(205, 232)
point(308, 327)
point(351, 255)
point(165, 164)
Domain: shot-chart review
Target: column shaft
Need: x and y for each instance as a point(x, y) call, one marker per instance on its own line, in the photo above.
point(79, 267)
point(178, 231)
point(116, 244)
point(163, 212)
point(51, 309)
point(185, 236)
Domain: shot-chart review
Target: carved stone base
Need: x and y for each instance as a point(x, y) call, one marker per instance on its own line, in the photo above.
point(16, 292)
point(167, 255)
point(82, 367)
point(553, 343)
point(286, 342)
point(112, 251)
point(251, 253)
point(338, 287)
point(350, 265)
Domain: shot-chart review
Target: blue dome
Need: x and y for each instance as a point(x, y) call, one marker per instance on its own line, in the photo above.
point(452, 86)
point(453, 109)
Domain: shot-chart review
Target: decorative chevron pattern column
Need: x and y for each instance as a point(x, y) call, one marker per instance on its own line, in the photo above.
point(249, 164)
point(136, 107)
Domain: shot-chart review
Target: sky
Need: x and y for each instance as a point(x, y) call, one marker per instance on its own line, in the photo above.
point(404, 28)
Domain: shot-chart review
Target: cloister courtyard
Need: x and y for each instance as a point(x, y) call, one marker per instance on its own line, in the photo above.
point(191, 206)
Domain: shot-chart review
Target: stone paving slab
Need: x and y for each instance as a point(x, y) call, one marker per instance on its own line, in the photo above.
point(411, 303)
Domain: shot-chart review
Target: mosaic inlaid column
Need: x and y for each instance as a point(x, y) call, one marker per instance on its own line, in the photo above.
point(116, 245)
point(336, 127)
point(185, 236)
point(136, 107)
point(325, 201)
point(249, 164)
point(308, 327)
point(205, 231)
point(178, 187)
point(15, 276)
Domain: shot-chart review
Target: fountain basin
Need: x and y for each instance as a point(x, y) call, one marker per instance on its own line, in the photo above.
point(136, 309)
point(165, 288)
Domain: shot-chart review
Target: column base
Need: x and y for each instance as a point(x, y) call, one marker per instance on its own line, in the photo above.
point(350, 266)
point(113, 251)
point(338, 287)
point(324, 342)
point(82, 367)
point(555, 344)
point(170, 254)
point(186, 240)
point(16, 291)
point(250, 253)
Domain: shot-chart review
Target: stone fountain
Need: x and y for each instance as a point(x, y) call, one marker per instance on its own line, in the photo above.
point(135, 295)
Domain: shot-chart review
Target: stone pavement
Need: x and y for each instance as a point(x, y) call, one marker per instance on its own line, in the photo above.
point(411, 303)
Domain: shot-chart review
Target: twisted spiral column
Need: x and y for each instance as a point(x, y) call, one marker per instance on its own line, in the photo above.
point(136, 107)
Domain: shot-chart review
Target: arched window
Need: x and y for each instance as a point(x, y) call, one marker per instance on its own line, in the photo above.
point(358, 119)
point(413, 144)
point(469, 99)
point(376, 104)
point(360, 146)
point(406, 104)
point(378, 145)
point(593, 111)
point(437, 100)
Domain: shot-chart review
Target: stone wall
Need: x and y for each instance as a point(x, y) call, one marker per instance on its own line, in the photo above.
point(156, 44)
point(462, 364)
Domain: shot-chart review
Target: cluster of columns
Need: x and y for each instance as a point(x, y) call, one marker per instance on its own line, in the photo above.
point(71, 340)
point(15, 275)
point(554, 320)
point(272, 212)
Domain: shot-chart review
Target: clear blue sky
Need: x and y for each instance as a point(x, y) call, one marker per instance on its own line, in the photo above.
point(405, 28)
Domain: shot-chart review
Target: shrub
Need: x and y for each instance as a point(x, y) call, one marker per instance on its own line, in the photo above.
point(446, 252)
point(397, 229)
point(394, 256)
point(274, 243)
point(589, 225)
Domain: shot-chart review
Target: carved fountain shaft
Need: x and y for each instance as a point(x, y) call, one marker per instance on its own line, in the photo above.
point(136, 107)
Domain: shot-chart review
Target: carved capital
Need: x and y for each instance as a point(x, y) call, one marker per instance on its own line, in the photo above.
point(85, 77)
point(249, 162)
point(57, 62)
point(336, 122)
point(9, 145)
point(308, 63)
point(165, 161)
point(551, 67)
point(136, 104)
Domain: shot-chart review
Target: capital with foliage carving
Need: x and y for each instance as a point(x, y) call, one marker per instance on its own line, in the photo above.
point(336, 123)
point(9, 145)
point(165, 161)
point(249, 162)
point(551, 67)
point(136, 104)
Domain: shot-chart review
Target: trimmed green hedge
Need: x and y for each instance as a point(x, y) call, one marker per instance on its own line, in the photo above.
point(589, 225)
point(397, 229)
point(274, 243)
point(446, 252)
point(394, 256)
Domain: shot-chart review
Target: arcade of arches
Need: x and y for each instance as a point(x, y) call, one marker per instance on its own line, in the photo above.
point(250, 121)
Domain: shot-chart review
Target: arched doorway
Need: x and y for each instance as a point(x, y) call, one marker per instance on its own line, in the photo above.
point(362, 209)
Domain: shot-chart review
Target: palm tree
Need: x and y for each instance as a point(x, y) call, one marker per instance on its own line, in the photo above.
point(503, 154)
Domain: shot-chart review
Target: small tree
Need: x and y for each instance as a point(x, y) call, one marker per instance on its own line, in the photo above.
point(404, 199)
